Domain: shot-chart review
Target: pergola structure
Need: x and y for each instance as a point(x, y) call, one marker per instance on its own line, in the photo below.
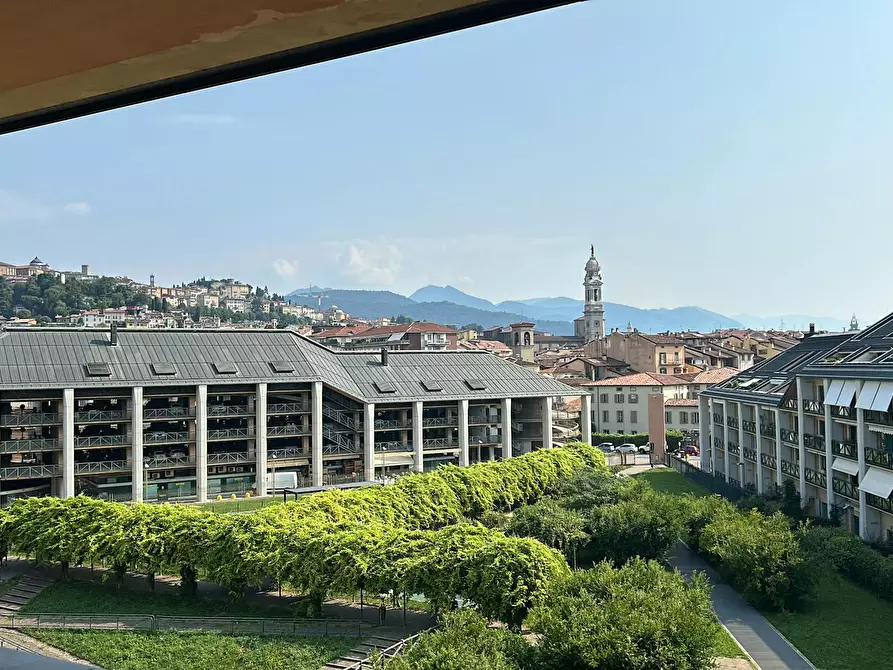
point(63, 60)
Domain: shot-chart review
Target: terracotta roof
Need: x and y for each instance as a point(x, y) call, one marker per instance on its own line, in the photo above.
point(573, 404)
point(715, 376)
point(338, 332)
point(662, 339)
point(681, 402)
point(484, 345)
point(641, 379)
point(415, 327)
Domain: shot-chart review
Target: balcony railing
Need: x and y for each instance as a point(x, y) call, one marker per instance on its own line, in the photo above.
point(816, 478)
point(287, 453)
point(767, 429)
point(845, 488)
point(439, 443)
point(392, 424)
point(884, 504)
point(290, 408)
point(102, 441)
point(341, 449)
point(749, 426)
point(151, 463)
point(813, 407)
point(732, 421)
point(789, 403)
point(101, 415)
point(161, 437)
point(878, 457)
point(285, 431)
point(883, 418)
point(790, 469)
point(717, 442)
point(734, 482)
point(232, 433)
point(719, 475)
point(789, 436)
point(30, 472)
point(483, 419)
point(341, 416)
point(478, 440)
point(843, 412)
point(517, 427)
point(845, 449)
point(769, 460)
point(750, 454)
point(29, 419)
point(717, 418)
point(381, 447)
point(734, 448)
point(102, 466)
point(168, 413)
point(229, 410)
point(230, 457)
point(24, 446)
point(440, 421)
point(816, 442)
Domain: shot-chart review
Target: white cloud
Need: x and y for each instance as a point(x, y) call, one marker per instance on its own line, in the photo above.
point(77, 208)
point(203, 119)
point(285, 268)
point(370, 263)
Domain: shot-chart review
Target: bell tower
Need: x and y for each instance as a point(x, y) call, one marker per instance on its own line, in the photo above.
point(594, 307)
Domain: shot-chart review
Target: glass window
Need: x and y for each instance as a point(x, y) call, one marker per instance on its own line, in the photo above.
point(618, 397)
point(603, 398)
point(634, 398)
point(606, 417)
point(619, 416)
point(633, 416)
point(683, 417)
point(695, 417)
point(669, 417)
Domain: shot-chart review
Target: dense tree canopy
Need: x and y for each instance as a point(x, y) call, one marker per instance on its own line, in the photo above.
point(46, 295)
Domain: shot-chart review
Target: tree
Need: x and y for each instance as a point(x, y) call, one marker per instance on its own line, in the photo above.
point(643, 527)
point(401, 319)
point(473, 326)
point(551, 524)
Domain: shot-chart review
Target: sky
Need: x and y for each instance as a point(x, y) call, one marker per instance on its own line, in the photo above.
point(734, 156)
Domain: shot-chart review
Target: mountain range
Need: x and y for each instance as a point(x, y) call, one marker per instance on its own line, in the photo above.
point(449, 305)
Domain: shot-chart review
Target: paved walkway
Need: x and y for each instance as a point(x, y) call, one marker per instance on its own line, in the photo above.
point(767, 647)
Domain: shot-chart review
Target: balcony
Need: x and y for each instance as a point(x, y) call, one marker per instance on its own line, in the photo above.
point(151, 463)
point(717, 418)
point(882, 418)
point(769, 460)
point(230, 410)
point(789, 403)
point(843, 412)
point(288, 453)
point(439, 443)
point(479, 440)
point(24, 446)
point(102, 441)
point(815, 442)
point(816, 478)
point(483, 419)
point(30, 472)
point(767, 429)
point(393, 424)
point(102, 466)
point(814, 407)
point(790, 469)
point(29, 419)
point(878, 457)
point(732, 421)
point(719, 475)
point(101, 415)
point(161, 437)
point(232, 433)
point(168, 413)
point(230, 457)
point(440, 421)
point(381, 447)
point(845, 488)
point(789, 436)
point(884, 504)
point(290, 430)
point(717, 442)
point(734, 482)
point(750, 454)
point(845, 449)
point(344, 449)
point(289, 408)
point(734, 449)
point(749, 426)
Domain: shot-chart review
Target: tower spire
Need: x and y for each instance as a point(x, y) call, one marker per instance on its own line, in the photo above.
point(592, 251)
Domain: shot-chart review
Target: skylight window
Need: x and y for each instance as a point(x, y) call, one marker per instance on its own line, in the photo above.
point(834, 357)
point(98, 370)
point(282, 367)
point(164, 369)
point(475, 384)
point(385, 387)
point(432, 386)
point(225, 368)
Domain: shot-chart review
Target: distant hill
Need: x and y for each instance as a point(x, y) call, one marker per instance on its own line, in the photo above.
point(794, 322)
point(449, 305)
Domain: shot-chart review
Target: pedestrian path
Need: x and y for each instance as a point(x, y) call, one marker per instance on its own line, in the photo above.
point(25, 588)
point(766, 646)
point(359, 656)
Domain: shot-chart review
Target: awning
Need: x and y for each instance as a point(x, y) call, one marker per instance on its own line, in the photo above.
point(877, 481)
point(867, 394)
point(882, 399)
point(850, 386)
point(392, 460)
point(833, 392)
point(845, 465)
point(883, 430)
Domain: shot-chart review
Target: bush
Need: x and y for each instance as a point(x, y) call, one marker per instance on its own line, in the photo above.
point(761, 557)
point(551, 524)
point(840, 550)
point(588, 488)
point(637, 617)
point(646, 527)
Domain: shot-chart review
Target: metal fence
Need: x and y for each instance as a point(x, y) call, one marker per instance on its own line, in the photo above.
point(705, 479)
point(230, 625)
point(613, 458)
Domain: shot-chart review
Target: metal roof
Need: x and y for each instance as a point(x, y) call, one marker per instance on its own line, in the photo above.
point(867, 354)
point(49, 358)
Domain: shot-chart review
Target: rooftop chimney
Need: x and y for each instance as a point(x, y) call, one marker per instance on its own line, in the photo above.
point(384, 357)
point(811, 330)
point(113, 341)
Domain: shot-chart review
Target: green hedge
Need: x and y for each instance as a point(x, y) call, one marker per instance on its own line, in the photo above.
point(846, 553)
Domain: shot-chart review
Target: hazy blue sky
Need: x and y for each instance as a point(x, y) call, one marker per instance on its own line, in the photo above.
point(735, 156)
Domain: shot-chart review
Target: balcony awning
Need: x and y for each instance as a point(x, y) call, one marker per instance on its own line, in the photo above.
point(883, 430)
point(833, 392)
point(392, 460)
point(882, 399)
point(850, 386)
point(845, 465)
point(867, 394)
point(877, 481)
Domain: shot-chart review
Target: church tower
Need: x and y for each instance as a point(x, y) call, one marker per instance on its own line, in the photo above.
point(593, 325)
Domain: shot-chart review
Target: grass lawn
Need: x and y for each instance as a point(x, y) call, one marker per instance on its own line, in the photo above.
point(93, 598)
point(847, 628)
point(669, 481)
point(196, 651)
point(726, 647)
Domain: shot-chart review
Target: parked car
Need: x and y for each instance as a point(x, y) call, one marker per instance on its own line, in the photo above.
point(606, 446)
point(691, 450)
point(627, 448)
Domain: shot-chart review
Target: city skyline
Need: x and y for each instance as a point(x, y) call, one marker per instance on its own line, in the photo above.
point(490, 160)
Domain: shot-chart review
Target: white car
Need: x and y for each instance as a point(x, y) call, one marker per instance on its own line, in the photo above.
point(606, 446)
point(628, 448)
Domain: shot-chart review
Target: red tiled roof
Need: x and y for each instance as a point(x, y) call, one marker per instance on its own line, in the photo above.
point(415, 327)
point(484, 345)
point(339, 332)
point(715, 376)
point(642, 379)
point(662, 339)
point(573, 404)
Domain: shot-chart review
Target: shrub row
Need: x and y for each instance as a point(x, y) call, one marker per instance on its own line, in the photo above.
point(846, 553)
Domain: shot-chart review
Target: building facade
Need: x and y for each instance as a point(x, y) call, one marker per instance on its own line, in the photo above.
point(620, 405)
point(658, 354)
point(154, 415)
point(591, 326)
point(818, 415)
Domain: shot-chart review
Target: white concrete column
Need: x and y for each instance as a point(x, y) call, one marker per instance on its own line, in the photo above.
point(316, 463)
point(725, 438)
point(260, 439)
point(829, 453)
point(369, 442)
point(758, 437)
point(68, 443)
point(507, 428)
point(463, 433)
point(777, 416)
point(586, 418)
point(713, 436)
point(201, 442)
point(801, 445)
point(136, 444)
point(704, 420)
point(547, 422)
point(418, 439)
point(861, 440)
point(742, 467)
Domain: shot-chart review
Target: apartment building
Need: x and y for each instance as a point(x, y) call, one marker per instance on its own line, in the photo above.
point(416, 336)
point(519, 337)
point(155, 415)
point(659, 354)
point(818, 415)
point(620, 405)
